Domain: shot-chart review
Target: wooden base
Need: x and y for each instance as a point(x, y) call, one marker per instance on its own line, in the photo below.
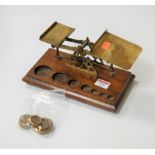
point(49, 73)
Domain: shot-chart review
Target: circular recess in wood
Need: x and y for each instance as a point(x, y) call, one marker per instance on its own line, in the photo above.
point(95, 92)
point(103, 95)
point(73, 83)
point(43, 71)
point(86, 88)
point(60, 77)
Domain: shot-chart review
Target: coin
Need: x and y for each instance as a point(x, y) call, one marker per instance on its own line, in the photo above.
point(24, 121)
point(45, 126)
point(35, 120)
point(50, 125)
point(49, 129)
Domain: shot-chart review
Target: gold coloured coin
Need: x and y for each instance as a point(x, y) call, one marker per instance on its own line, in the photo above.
point(24, 121)
point(35, 120)
point(49, 129)
point(45, 126)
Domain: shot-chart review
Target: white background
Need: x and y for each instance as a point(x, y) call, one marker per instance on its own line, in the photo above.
point(79, 125)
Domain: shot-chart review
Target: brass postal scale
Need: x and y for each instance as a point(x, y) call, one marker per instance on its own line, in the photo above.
point(87, 74)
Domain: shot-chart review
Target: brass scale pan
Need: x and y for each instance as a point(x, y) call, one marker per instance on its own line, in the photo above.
point(108, 47)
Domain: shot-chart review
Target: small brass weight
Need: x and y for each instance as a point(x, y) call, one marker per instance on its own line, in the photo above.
point(92, 72)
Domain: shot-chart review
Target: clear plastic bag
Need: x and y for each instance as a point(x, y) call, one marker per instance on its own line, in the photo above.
point(50, 104)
